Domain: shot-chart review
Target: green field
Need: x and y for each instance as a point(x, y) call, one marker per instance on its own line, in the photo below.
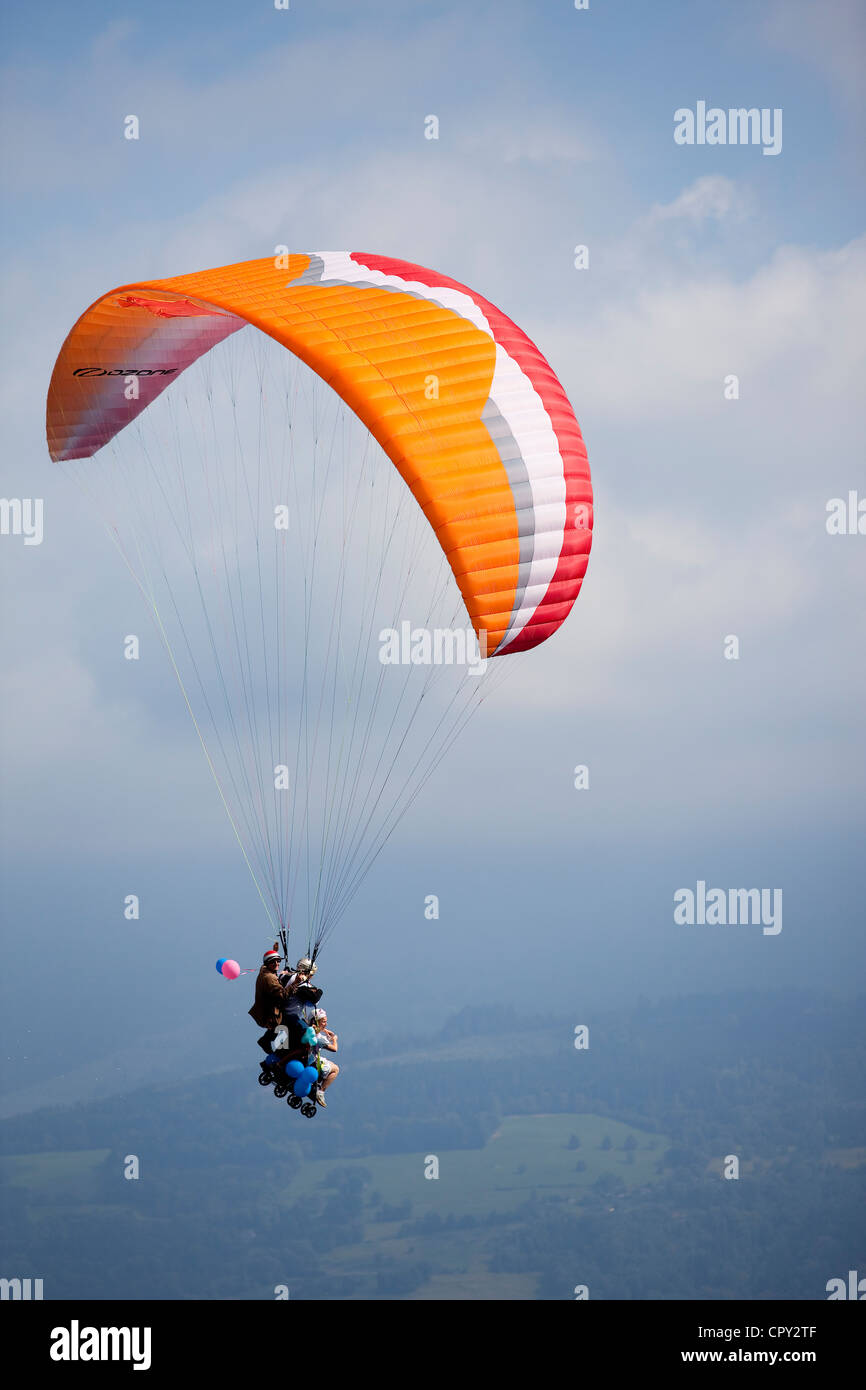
point(529, 1156)
point(74, 1175)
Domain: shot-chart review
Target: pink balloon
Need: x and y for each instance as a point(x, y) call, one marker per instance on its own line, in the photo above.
point(231, 969)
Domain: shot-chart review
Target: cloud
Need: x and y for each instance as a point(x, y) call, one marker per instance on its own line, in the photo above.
point(711, 198)
point(790, 331)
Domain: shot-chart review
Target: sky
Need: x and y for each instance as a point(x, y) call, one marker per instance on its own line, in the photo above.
point(261, 127)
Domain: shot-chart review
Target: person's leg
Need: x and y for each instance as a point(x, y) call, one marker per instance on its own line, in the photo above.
point(325, 1069)
point(332, 1076)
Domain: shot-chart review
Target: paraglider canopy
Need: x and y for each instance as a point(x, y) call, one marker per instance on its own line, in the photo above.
point(459, 398)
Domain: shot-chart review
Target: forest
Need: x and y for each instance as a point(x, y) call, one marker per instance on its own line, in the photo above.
point(710, 1147)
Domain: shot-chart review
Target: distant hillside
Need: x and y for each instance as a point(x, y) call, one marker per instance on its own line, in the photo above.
point(556, 1166)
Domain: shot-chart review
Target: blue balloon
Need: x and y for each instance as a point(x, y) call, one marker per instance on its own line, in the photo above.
point(220, 963)
point(301, 1086)
point(293, 1068)
point(311, 1075)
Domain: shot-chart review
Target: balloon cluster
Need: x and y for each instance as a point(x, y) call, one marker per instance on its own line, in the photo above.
point(228, 968)
point(303, 1078)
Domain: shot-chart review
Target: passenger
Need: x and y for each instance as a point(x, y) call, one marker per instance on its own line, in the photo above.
point(327, 1041)
point(301, 997)
point(267, 1010)
point(302, 974)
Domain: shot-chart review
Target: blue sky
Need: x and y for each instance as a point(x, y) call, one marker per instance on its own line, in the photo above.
point(260, 127)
